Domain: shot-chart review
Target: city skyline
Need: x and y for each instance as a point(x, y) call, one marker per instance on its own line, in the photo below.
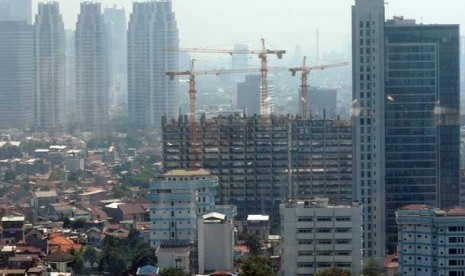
point(296, 27)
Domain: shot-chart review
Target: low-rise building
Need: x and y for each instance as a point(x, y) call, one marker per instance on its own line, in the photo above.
point(259, 226)
point(431, 241)
point(12, 229)
point(215, 243)
point(317, 235)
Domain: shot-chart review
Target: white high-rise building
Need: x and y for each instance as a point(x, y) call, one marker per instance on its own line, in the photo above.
point(317, 235)
point(50, 67)
point(368, 121)
point(16, 10)
point(151, 94)
point(91, 77)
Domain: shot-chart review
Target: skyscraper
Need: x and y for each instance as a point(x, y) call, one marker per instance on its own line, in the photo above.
point(422, 117)
point(50, 67)
point(16, 10)
point(16, 75)
point(91, 78)
point(70, 73)
point(368, 121)
point(239, 61)
point(151, 94)
point(116, 42)
point(405, 117)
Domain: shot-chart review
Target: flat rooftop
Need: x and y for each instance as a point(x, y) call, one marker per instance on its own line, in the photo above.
point(199, 172)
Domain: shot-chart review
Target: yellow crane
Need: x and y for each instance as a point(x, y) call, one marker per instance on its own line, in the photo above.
point(192, 96)
point(262, 54)
point(304, 81)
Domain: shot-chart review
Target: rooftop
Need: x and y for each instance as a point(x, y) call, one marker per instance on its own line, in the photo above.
point(200, 172)
point(258, 218)
point(13, 218)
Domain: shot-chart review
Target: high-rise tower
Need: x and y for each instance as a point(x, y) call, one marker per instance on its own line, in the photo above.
point(405, 118)
point(91, 73)
point(50, 67)
point(16, 75)
point(151, 94)
point(116, 43)
point(16, 10)
point(368, 121)
point(422, 117)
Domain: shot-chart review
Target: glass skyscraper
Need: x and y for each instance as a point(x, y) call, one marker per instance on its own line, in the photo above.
point(421, 118)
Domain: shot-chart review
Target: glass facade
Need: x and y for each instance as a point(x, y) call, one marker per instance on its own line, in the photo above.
point(421, 118)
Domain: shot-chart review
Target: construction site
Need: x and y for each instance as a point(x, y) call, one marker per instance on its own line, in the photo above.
point(263, 159)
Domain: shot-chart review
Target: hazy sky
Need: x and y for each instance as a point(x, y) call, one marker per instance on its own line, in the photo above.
point(284, 23)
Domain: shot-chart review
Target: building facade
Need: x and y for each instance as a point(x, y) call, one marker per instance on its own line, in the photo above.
point(431, 240)
point(422, 121)
point(16, 10)
point(178, 199)
point(405, 116)
point(151, 94)
point(50, 68)
point(91, 69)
point(316, 235)
point(16, 75)
point(116, 43)
point(322, 102)
point(215, 243)
point(262, 161)
point(368, 121)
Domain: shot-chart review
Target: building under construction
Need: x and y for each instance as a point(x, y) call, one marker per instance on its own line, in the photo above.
point(263, 161)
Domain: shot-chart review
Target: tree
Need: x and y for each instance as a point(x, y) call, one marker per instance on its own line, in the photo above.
point(371, 268)
point(256, 266)
point(90, 255)
point(143, 255)
point(78, 264)
point(171, 271)
point(254, 244)
point(9, 175)
point(333, 271)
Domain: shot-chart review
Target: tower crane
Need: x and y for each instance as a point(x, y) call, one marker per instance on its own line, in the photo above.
point(304, 80)
point(262, 54)
point(192, 96)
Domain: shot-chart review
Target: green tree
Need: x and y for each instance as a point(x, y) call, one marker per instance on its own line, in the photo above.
point(143, 255)
point(67, 223)
point(256, 266)
point(9, 175)
point(371, 268)
point(9, 151)
point(78, 264)
point(253, 243)
point(171, 271)
point(90, 255)
point(120, 191)
point(333, 271)
point(73, 177)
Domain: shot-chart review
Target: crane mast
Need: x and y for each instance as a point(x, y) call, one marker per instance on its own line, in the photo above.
point(192, 98)
point(262, 54)
point(304, 82)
